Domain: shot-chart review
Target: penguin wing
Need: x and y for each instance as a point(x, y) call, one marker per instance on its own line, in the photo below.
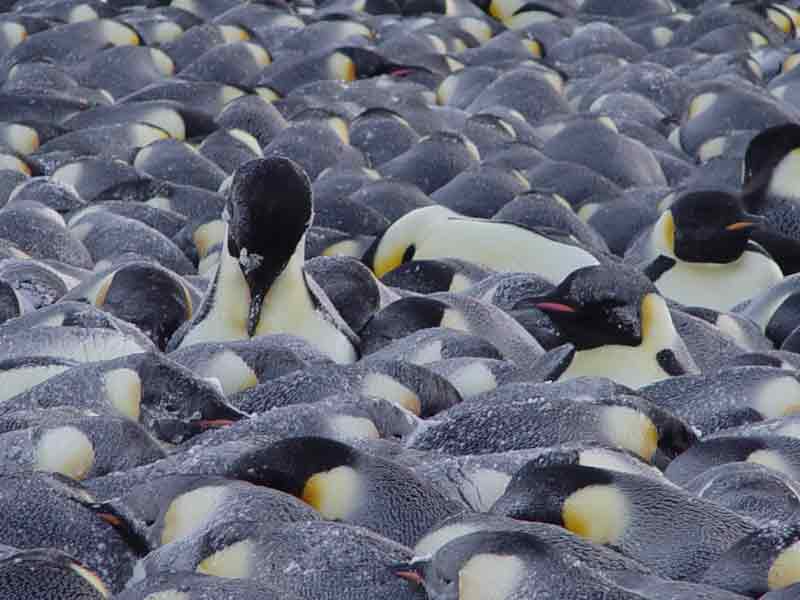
point(328, 310)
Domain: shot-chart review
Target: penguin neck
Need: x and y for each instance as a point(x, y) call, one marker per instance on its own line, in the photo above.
point(662, 237)
point(226, 316)
point(288, 303)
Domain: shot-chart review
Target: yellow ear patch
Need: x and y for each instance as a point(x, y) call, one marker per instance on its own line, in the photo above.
point(383, 386)
point(123, 388)
point(65, 450)
point(632, 430)
point(599, 513)
point(190, 511)
point(335, 493)
point(233, 373)
point(785, 569)
point(233, 562)
point(490, 577)
point(668, 230)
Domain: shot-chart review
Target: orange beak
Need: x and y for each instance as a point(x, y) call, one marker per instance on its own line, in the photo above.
point(411, 576)
point(738, 226)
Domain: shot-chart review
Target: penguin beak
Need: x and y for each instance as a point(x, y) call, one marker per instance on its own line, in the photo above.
point(412, 570)
point(747, 223)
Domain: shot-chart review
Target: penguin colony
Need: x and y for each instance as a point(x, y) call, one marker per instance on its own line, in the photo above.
point(399, 299)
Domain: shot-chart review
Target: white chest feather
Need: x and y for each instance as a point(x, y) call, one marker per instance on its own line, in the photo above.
point(288, 308)
point(227, 318)
point(719, 286)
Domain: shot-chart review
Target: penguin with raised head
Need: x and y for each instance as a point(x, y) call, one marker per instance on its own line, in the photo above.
point(259, 287)
point(699, 252)
point(619, 324)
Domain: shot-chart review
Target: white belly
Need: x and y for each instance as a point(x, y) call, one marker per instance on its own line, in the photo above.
point(719, 287)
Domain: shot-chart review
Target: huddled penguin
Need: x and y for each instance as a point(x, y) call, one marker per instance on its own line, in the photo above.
point(260, 274)
point(196, 586)
point(346, 485)
point(625, 512)
point(45, 573)
point(355, 562)
point(619, 324)
point(436, 232)
point(699, 253)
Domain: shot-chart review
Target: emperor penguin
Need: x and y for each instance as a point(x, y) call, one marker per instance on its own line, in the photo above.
point(259, 287)
point(619, 324)
point(699, 252)
point(435, 232)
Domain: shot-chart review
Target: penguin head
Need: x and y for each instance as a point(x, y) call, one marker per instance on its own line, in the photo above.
point(584, 500)
point(601, 305)
point(320, 471)
point(366, 63)
point(398, 243)
point(476, 565)
point(270, 208)
point(706, 226)
point(177, 404)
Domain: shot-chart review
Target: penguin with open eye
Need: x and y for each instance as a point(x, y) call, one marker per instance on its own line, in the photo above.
point(658, 524)
point(619, 324)
point(260, 287)
point(699, 252)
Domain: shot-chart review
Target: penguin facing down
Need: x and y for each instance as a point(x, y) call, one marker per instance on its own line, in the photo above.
point(259, 287)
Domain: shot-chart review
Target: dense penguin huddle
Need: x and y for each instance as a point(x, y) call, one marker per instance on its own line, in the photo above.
point(399, 299)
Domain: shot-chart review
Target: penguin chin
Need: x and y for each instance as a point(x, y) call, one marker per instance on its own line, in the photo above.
point(722, 248)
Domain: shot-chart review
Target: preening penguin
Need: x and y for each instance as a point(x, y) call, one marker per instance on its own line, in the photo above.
point(434, 232)
point(699, 252)
point(259, 287)
point(620, 326)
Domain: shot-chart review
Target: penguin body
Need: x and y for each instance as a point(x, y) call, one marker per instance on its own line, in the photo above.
point(195, 586)
point(255, 284)
point(167, 399)
point(57, 514)
point(244, 364)
point(410, 386)
point(146, 295)
point(773, 310)
point(179, 506)
point(749, 489)
point(82, 344)
point(435, 275)
point(434, 232)
point(454, 311)
point(42, 237)
point(774, 451)
point(341, 417)
point(538, 424)
point(762, 562)
point(41, 573)
point(358, 562)
point(613, 318)
point(436, 343)
point(74, 444)
point(624, 510)
point(728, 398)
